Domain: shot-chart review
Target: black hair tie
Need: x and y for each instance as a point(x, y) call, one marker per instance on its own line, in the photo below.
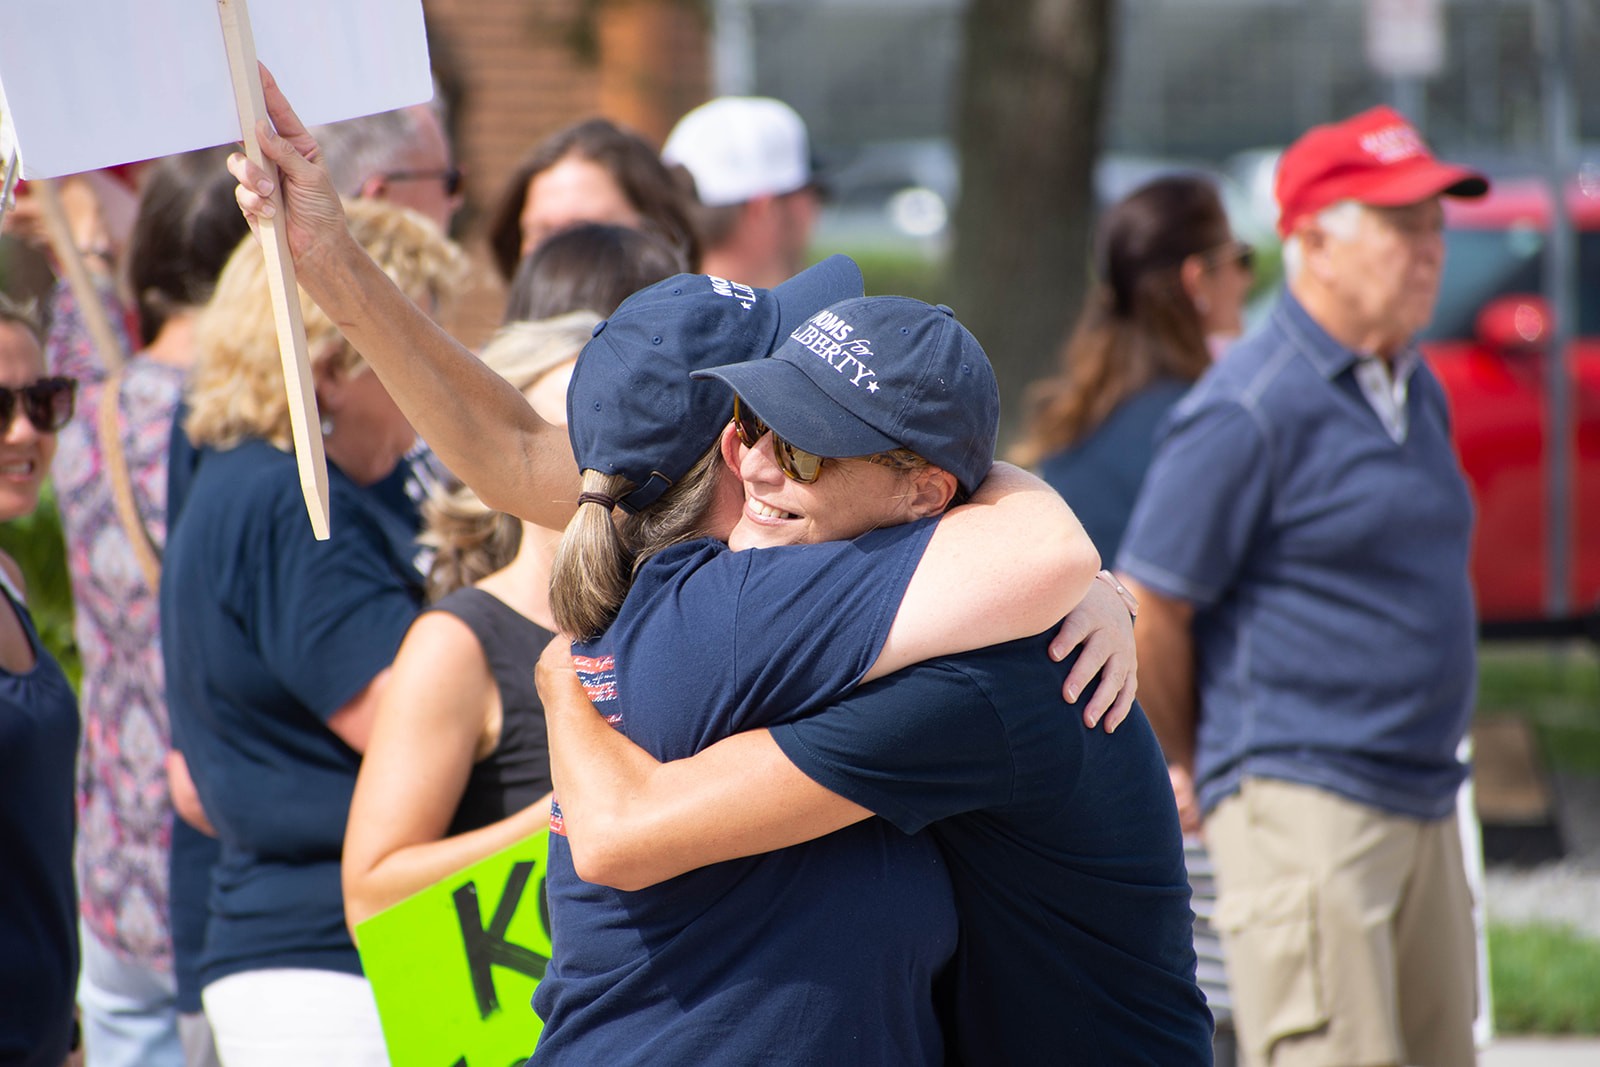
point(605, 501)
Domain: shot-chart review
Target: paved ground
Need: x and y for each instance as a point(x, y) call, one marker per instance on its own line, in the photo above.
point(1542, 1052)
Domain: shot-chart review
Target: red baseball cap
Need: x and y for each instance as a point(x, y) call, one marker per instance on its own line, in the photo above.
point(1375, 158)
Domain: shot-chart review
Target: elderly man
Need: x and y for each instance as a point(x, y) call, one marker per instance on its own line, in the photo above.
point(1306, 642)
point(750, 160)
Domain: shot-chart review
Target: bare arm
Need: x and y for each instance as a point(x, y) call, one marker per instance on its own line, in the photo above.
point(475, 420)
point(424, 741)
point(633, 821)
point(185, 798)
point(1166, 649)
point(353, 722)
point(1007, 565)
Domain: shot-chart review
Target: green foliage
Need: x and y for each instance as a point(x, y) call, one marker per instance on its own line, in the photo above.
point(36, 543)
point(1556, 688)
point(1545, 979)
point(894, 271)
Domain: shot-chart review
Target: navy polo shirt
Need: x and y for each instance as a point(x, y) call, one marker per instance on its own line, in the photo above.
point(266, 633)
point(1334, 626)
point(1077, 941)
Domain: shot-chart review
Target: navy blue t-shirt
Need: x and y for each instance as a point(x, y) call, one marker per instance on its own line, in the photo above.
point(1063, 846)
point(1101, 474)
point(821, 953)
point(266, 632)
point(38, 903)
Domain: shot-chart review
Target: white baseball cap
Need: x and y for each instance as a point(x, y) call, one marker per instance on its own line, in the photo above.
point(741, 147)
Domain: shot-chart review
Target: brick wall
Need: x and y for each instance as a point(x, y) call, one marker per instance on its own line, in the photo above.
point(521, 74)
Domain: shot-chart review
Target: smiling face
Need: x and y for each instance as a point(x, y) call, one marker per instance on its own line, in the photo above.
point(849, 497)
point(25, 452)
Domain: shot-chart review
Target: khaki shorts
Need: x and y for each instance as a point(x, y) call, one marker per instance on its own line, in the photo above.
point(1347, 930)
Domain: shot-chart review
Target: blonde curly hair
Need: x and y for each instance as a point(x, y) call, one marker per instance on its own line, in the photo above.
point(471, 540)
point(236, 388)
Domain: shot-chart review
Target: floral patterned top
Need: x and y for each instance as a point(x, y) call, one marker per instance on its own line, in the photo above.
point(124, 811)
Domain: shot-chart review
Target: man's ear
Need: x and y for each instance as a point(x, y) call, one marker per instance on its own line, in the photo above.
point(932, 489)
point(374, 188)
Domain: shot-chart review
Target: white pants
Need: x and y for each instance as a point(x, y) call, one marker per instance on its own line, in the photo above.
point(304, 1018)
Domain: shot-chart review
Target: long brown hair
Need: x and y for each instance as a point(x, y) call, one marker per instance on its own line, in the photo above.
point(1138, 323)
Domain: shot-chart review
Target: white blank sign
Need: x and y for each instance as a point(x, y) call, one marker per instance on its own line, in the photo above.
point(91, 83)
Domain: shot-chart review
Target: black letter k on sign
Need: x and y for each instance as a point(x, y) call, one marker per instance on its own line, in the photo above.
point(487, 947)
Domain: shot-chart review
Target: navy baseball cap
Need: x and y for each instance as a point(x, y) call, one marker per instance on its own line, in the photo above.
point(632, 408)
point(873, 374)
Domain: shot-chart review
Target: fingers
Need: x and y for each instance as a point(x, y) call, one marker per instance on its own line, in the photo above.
point(1073, 630)
point(1091, 659)
point(278, 106)
point(1123, 706)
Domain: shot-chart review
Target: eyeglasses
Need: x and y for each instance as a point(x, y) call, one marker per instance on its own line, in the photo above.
point(1240, 252)
point(796, 463)
point(806, 467)
point(47, 403)
point(450, 176)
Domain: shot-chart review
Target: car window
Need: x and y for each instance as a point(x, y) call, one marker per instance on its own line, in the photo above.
point(1483, 264)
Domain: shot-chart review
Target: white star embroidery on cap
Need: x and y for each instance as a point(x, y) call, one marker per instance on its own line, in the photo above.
point(872, 387)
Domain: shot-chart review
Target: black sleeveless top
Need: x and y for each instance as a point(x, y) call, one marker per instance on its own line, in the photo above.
point(517, 772)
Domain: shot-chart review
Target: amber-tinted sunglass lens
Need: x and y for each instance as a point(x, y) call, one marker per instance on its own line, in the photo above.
point(749, 428)
point(796, 463)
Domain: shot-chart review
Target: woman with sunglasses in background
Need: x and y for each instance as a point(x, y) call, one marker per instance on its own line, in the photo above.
point(1170, 290)
point(38, 734)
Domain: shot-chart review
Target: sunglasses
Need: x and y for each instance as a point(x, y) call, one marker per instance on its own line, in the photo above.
point(796, 463)
point(47, 403)
point(1240, 252)
point(452, 178)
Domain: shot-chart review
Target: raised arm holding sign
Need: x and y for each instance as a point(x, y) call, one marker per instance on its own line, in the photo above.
point(472, 418)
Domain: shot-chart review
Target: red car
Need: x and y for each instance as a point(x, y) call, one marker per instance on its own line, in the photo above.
point(1488, 343)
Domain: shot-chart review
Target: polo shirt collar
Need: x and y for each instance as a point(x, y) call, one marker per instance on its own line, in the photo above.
point(1327, 355)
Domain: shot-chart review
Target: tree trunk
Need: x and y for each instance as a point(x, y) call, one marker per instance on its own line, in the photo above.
point(1028, 130)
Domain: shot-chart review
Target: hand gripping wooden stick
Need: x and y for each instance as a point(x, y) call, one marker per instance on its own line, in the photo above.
point(303, 418)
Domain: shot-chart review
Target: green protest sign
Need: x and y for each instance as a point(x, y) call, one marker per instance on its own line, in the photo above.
point(454, 967)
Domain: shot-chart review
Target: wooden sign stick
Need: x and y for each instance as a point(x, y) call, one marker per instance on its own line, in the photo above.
point(303, 419)
point(65, 247)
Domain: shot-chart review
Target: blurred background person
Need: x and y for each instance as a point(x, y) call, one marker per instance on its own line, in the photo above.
point(275, 645)
point(591, 171)
point(38, 734)
point(111, 488)
point(757, 199)
point(401, 156)
point(1170, 285)
point(458, 766)
point(591, 266)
